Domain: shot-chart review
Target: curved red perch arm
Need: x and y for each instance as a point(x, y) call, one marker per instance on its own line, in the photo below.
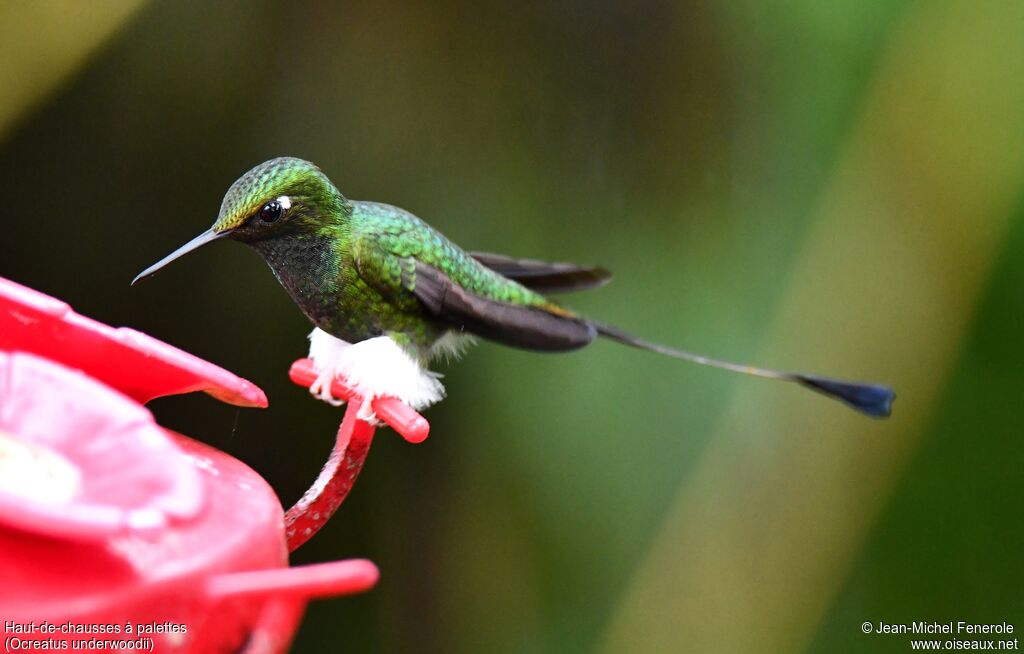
point(346, 461)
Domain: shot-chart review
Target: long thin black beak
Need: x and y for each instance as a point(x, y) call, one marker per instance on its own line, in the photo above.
point(199, 241)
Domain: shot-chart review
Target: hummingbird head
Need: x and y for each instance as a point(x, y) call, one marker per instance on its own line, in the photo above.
point(283, 196)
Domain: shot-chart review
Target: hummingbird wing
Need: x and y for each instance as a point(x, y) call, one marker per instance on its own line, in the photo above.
point(542, 327)
point(545, 277)
point(415, 268)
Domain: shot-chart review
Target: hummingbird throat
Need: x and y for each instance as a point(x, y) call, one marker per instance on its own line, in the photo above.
point(305, 265)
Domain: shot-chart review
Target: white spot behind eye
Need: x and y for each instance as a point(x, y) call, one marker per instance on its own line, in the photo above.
point(285, 202)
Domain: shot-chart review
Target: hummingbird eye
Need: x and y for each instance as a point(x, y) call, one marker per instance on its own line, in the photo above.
point(274, 209)
point(271, 211)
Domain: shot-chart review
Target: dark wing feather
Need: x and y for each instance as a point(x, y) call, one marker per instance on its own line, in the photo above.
point(545, 277)
point(531, 328)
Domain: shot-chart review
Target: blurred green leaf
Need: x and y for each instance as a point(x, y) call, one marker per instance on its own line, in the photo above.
point(46, 42)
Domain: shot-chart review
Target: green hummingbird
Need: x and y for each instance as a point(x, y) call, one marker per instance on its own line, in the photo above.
point(388, 293)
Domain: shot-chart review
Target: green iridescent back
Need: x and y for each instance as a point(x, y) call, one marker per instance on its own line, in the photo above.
point(385, 244)
point(391, 236)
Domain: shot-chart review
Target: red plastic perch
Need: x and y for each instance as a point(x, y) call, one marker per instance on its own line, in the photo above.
point(410, 425)
point(346, 461)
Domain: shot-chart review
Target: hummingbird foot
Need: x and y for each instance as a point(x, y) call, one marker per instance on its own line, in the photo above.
point(321, 388)
point(325, 351)
point(376, 367)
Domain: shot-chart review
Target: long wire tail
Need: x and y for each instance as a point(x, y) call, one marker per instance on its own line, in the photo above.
point(874, 400)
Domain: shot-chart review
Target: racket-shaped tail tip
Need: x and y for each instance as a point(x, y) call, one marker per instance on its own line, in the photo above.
point(874, 400)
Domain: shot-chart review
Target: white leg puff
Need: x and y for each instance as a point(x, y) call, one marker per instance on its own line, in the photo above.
point(376, 367)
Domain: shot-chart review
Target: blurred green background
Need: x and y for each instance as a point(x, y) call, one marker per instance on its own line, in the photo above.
point(825, 186)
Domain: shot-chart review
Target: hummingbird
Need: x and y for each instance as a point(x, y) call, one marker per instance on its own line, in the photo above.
point(388, 294)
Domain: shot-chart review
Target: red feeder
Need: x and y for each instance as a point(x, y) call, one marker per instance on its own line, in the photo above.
point(109, 522)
